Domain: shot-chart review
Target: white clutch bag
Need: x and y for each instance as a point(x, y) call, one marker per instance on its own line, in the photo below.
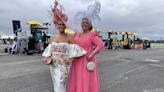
point(91, 66)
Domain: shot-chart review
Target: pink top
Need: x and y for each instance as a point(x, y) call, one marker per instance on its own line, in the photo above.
point(88, 41)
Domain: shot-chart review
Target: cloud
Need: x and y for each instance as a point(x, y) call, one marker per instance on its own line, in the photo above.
point(145, 17)
point(141, 16)
point(23, 10)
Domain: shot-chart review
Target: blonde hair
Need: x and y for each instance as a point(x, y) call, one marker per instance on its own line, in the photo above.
point(89, 21)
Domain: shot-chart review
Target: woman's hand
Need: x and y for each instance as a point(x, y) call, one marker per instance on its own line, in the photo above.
point(47, 60)
point(89, 58)
point(70, 61)
point(92, 55)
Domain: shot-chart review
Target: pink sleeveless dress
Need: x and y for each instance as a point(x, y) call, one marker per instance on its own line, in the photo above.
point(82, 80)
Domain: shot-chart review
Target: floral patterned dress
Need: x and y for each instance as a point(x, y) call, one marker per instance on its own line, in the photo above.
point(59, 67)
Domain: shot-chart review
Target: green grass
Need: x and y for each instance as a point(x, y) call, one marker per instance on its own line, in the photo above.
point(157, 45)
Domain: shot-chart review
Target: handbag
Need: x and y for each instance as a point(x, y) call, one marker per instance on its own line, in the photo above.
point(91, 66)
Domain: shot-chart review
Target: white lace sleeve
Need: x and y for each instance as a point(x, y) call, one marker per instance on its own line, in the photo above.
point(76, 51)
point(47, 51)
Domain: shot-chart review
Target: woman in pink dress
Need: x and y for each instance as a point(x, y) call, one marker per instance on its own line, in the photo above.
point(81, 79)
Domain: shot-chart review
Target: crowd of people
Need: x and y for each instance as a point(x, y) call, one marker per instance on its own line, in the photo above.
point(127, 43)
point(19, 45)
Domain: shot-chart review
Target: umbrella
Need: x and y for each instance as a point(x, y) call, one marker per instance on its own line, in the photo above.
point(34, 23)
point(122, 33)
point(145, 38)
point(135, 34)
point(112, 32)
point(129, 33)
point(12, 37)
point(4, 37)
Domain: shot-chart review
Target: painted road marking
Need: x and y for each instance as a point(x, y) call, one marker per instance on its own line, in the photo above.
point(157, 65)
point(154, 90)
point(118, 82)
point(152, 60)
point(133, 70)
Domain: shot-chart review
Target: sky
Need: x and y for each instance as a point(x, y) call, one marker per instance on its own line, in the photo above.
point(145, 17)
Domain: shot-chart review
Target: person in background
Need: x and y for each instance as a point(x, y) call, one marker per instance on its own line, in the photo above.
point(44, 39)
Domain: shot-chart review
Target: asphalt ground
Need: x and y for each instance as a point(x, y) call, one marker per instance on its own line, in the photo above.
point(119, 71)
